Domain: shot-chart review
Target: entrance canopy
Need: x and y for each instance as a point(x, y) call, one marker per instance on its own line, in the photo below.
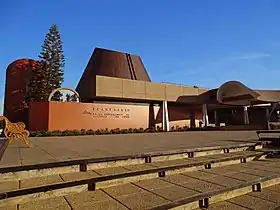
point(234, 93)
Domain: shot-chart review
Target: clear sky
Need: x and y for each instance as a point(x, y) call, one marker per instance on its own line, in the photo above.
point(192, 42)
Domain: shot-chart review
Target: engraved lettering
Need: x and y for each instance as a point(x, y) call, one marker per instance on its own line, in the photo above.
point(113, 113)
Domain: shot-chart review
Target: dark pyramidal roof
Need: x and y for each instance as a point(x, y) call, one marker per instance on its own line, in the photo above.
point(110, 63)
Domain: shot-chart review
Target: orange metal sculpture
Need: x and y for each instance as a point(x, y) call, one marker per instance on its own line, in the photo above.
point(15, 131)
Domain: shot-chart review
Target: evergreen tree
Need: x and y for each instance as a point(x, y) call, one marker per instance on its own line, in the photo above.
point(68, 97)
point(74, 98)
point(52, 56)
point(37, 84)
point(57, 96)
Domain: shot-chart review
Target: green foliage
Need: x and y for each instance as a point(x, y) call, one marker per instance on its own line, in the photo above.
point(105, 131)
point(273, 126)
point(57, 96)
point(68, 97)
point(71, 98)
point(2, 124)
point(48, 73)
point(74, 98)
point(37, 84)
point(52, 56)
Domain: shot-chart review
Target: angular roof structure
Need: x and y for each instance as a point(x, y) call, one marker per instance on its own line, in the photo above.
point(110, 63)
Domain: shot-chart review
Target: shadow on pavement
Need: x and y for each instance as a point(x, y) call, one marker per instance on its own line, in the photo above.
point(3, 146)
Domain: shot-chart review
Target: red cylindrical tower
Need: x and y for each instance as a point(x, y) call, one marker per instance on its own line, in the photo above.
point(18, 75)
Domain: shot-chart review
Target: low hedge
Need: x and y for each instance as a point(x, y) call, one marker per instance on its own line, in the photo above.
point(104, 131)
point(273, 125)
point(1, 128)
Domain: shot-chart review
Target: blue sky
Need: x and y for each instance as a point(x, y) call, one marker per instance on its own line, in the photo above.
point(192, 42)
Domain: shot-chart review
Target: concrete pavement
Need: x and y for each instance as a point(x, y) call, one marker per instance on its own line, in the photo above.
point(53, 149)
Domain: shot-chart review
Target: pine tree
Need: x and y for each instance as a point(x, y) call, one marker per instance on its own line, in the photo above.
point(71, 98)
point(37, 84)
point(68, 97)
point(52, 56)
point(74, 98)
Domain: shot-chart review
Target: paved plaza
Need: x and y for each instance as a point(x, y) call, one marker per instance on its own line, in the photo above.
point(53, 149)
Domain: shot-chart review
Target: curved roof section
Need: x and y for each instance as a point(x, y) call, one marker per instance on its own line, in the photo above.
point(236, 93)
point(233, 93)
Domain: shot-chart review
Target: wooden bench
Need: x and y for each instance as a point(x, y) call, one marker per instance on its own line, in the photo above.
point(272, 140)
point(15, 131)
point(268, 132)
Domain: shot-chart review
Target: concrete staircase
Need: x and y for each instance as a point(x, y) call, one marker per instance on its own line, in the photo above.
point(214, 178)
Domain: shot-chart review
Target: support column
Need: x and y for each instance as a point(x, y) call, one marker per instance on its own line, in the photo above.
point(246, 116)
point(216, 118)
point(151, 116)
point(192, 119)
point(165, 117)
point(163, 124)
point(267, 114)
point(205, 115)
point(273, 107)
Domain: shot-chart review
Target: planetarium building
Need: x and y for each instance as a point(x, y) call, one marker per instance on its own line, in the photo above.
point(116, 91)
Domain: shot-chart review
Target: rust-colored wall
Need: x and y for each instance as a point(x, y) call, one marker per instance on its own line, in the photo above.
point(97, 116)
point(17, 79)
point(38, 116)
point(70, 116)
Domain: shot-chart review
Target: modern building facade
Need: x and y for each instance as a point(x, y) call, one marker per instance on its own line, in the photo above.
point(116, 92)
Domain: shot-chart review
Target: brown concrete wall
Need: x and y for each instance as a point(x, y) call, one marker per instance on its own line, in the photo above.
point(112, 87)
point(70, 116)
point(180, 115)
point(132, 89)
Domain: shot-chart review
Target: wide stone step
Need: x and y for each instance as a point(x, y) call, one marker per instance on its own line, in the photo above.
point(238, 186)
point(267, 198)
point(64, 184)
point(82, 165)
point(230, 183)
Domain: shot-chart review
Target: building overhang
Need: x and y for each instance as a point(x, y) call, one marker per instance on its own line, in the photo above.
point(230, 94)
point(236, 93)
point(233, 93)
point(144, 91)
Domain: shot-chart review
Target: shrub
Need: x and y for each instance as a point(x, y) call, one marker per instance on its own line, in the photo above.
point(150, 130)
point(124, 131)
point(105, 131)
point(274, 125)
point(2, 124)
point(116, 131)
point(90, 132)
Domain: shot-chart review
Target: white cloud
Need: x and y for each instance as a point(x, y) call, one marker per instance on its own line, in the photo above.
point(225, 62)
point(239, 67)
point(249, 56)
